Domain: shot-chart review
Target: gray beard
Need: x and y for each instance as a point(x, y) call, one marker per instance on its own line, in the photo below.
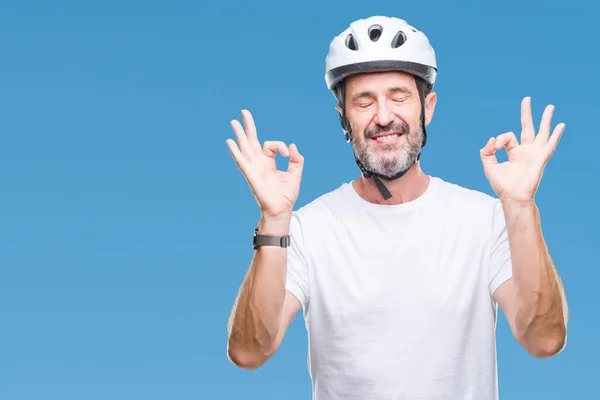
point(389, 166)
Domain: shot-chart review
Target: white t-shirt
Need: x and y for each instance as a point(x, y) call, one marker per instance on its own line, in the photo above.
point(397, 300)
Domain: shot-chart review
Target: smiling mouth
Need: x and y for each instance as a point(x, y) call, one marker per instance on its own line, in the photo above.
point(386, 137)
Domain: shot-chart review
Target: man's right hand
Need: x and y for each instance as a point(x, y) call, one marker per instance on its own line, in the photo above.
point(275, 191)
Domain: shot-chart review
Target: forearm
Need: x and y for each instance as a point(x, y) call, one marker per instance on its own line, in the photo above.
point(540, 317)
point(256, 316)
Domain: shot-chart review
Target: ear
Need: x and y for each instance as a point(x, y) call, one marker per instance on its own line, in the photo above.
point(339, 109)
point(430, 102)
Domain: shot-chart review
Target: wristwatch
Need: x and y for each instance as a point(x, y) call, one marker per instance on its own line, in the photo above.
point(267, 240)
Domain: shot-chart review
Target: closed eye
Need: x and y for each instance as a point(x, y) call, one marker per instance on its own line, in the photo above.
point(400, 99)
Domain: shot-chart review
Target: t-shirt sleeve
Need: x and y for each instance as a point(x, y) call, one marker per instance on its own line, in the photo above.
point(297, 271)
point(500, 263)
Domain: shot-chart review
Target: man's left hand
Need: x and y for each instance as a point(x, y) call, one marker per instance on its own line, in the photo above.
point(517, 179)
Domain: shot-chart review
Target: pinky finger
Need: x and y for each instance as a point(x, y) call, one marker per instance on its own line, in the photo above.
point(554, 139)
point(239, 158)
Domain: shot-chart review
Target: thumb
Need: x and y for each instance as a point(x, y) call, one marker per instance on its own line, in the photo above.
point(488, 153)
point(296, 161)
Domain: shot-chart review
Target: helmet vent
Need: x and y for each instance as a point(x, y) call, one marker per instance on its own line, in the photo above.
point(351, 42)
point(398, 40)
point(375, 32)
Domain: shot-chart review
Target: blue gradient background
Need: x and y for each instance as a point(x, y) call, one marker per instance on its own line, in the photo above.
point(125, 226)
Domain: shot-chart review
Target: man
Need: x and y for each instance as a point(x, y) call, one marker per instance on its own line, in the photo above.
point(399, 273)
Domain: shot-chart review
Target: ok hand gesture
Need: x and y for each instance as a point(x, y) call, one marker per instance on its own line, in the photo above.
point(275, 191)
point(518, 178)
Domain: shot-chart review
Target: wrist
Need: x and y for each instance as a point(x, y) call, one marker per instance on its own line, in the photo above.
point(278, 225)
point(520, 204)
point(519, 209)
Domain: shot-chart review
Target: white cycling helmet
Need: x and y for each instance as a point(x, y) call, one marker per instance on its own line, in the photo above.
point(380, 43)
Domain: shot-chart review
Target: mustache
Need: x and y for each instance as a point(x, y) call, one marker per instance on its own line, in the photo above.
point(398, 126)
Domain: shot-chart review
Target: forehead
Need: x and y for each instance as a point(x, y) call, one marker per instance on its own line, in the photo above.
point(379, 82)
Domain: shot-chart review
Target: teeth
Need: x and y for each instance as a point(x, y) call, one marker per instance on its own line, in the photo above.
point(386, 138)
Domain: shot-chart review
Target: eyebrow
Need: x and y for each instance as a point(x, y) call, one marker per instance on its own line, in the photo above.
point(393, 90)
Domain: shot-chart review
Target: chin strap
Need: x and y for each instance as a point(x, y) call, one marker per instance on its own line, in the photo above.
point(385, 193)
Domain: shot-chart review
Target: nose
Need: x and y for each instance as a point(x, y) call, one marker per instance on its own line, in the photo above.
point(384, 115)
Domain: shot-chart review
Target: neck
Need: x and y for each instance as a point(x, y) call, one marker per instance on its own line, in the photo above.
point(404, 189)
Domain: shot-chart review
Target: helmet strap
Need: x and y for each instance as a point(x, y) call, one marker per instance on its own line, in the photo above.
point(420, 89)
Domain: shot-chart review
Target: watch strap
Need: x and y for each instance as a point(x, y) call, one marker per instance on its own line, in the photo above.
point(269, 240)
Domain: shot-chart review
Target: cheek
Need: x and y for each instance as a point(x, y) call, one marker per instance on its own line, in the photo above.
point(410, 119)
point(407, 114)
point(359, 125)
